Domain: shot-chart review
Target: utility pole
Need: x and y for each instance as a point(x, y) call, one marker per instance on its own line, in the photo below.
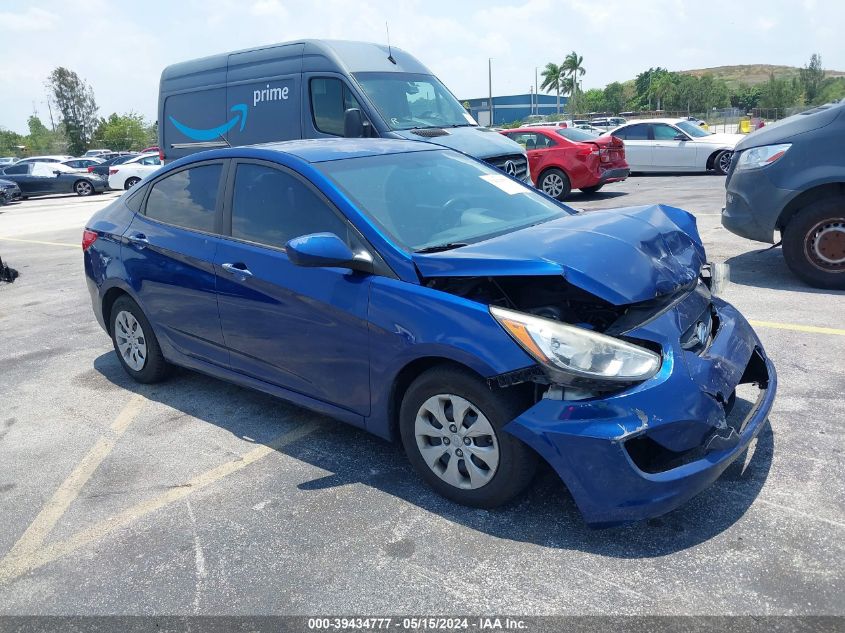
point(537, 90)
point(490, 86)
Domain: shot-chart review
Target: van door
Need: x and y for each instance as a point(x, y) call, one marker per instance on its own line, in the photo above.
point(326, 97)
point(263, 88)
point(194, 113)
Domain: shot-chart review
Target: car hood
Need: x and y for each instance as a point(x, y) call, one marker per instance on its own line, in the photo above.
point(623, 256)
point(480, 142)
point(785, 130)
point(721, 139)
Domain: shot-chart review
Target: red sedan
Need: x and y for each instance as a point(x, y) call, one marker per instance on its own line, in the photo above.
point(559, 165)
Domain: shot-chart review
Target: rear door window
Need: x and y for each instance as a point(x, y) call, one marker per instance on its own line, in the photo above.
point(187, 198)
point(637, 132)
point(271, 207)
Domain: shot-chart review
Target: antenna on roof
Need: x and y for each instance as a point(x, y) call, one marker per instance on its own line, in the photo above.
point(389, 50)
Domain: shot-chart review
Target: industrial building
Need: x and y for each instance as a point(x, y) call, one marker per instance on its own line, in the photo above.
point(510, 108)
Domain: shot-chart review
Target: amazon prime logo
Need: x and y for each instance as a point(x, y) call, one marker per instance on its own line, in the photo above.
point(510, 168)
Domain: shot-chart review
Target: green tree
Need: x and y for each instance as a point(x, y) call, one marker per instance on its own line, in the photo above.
point(573, 67)
point(593, 100)
point(614, 97)
point(780, 93)
point(812, 78)
point(663, 88)
point(9, 142)
point(43, 140)
point(833, 89)
point(75, 102)
point(643, 86)
point(746, 97)
point(552, 75)
point(122, 132)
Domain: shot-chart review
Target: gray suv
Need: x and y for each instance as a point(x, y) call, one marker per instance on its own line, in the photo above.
point(790, 177)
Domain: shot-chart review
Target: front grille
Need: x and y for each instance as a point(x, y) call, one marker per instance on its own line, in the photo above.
point(520, 164)
point(701, 333)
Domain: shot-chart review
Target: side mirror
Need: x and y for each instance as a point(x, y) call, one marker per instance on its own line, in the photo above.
point(353, 123)
point(320, 250)
point(681, 137)
point(56, 172)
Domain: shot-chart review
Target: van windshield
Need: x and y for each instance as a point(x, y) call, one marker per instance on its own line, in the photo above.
point(408, 101)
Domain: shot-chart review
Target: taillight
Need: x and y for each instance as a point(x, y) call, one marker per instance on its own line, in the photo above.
point(113, 171)
point(604, 155)
point(88, 238)
point(161, 155)
point(90, 169)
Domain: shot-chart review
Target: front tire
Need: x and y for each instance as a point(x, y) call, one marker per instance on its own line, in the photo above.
point(135, 343)
point(814, 244)
point(555, 183)
point(83, 188)
point(131, 182)
point(722, 162)
point(451, 426)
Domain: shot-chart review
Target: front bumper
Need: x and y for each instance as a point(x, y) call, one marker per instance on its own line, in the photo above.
point(595, 445)
point(753, 205)
point(13, 193)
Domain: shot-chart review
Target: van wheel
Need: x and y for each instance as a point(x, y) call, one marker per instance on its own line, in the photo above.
point(451, 426)
point(131, 182)
point(814, 244)
point(135, 342)
point(555, 183)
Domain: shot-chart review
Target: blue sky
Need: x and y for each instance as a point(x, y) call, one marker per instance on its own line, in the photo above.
point(454, 38)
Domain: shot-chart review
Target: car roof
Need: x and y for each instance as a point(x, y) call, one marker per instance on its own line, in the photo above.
point(669, 121)
point(325, 149)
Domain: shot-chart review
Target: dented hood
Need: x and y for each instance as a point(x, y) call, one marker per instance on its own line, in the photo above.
point(621, 255)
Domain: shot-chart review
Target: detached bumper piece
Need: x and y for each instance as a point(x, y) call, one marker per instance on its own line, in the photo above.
point(647, 450)
point(7, 274)
point(614, 175)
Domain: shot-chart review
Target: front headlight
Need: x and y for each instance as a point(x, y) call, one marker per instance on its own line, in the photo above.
point(757, 157)
point(576, 351)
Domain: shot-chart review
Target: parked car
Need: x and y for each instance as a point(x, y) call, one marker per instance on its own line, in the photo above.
point(148, 150)
point(8, 160)
point(38, 179)
point(789, 177)
point(9, 191)
point(423, 295)
point(608, 122)
point(81, 165)
point(675, 145)
point(546, 124)
point(559, 164)
point(102, 169)
point(96, 152)
point(127, 174)
point(58, 158)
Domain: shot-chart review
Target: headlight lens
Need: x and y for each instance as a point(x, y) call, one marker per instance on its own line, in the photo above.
point(577, 351)
point(757, 157)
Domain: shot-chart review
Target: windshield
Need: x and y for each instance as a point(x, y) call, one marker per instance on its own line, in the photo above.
point(407, 101)
point(692, 129)
point(574, 134)
point(430, 199)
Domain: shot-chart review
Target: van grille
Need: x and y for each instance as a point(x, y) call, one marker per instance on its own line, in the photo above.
point(520, 164)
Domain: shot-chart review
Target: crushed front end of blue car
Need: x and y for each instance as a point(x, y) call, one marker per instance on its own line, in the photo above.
point(686, 388)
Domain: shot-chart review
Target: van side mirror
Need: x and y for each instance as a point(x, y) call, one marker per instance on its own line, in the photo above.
point(353, 123)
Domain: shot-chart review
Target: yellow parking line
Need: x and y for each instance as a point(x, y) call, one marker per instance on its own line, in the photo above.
point(68, 491)
point(54, 551)
point(15, 239)
point(798, 328)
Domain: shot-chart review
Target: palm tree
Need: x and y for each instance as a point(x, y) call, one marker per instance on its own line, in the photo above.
point(552, 77)
point(572, 66)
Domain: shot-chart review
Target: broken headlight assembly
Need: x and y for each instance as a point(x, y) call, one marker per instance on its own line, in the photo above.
point(569, 353)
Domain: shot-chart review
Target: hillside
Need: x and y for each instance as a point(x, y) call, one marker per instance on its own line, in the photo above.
point(751, 73)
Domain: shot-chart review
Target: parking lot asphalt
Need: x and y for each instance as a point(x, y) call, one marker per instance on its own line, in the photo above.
point(197, 497)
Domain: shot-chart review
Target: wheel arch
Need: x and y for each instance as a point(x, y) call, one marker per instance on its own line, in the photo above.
point(109, 298)
point(814, 194)
point(711, 159)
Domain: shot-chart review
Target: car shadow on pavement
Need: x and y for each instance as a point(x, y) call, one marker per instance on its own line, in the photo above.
point(546, 515)
point(766, 268)
point(578, 196)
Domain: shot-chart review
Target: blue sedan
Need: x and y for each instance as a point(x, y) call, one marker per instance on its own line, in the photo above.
point(427, 297)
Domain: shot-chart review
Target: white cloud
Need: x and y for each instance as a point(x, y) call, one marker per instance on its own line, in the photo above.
point(33, 19)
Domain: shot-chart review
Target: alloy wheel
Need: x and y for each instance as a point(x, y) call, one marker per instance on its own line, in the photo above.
point(84, 188)
point(552, 185)
point(457, 441)
point(131, 341)
point(725, 162)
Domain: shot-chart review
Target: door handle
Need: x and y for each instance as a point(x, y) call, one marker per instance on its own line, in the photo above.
point(237, 269)
point(139, 239)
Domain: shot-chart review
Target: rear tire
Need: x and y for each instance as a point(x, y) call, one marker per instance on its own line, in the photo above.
point(592, 189)
point(814, 244)
point(135, 343)
point(451, 426)
point(83, 188)
point(555, 183)
point(131, 182)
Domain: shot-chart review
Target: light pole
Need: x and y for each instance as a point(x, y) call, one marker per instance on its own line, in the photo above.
point(536, 91)
point(490, 86)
